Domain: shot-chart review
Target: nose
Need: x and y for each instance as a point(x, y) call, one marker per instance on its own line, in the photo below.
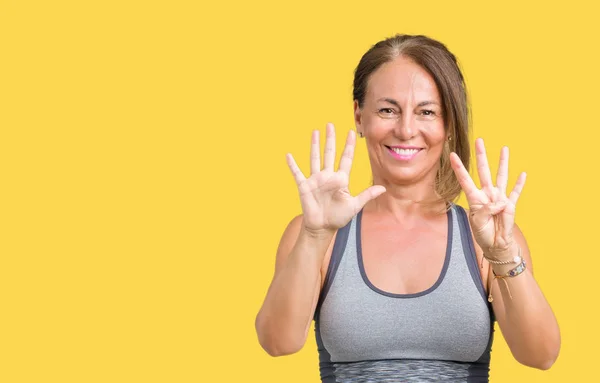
point(405, 127)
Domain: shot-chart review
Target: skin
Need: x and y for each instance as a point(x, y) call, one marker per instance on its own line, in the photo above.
point(402, 107)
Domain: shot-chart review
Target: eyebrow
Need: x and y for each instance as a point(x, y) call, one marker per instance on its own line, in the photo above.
point(394, 102)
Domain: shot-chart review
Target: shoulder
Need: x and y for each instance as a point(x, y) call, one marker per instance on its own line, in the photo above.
point(290, 234)
point(288, 240)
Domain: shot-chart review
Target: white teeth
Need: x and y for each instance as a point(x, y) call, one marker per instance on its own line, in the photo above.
point(405, 152)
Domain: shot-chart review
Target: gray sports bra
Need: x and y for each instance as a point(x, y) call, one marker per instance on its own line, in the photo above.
point(365, 334)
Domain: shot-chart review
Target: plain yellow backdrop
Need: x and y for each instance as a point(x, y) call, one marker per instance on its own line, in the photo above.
point(144, 188)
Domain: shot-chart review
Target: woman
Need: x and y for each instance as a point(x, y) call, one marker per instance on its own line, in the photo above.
point(399, 279)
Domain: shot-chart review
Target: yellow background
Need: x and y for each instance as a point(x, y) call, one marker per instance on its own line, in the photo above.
point(144, 188)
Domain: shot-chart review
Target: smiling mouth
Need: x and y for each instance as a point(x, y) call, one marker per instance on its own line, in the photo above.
point(404, 152)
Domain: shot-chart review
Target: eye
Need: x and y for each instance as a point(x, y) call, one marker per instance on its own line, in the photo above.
point(386, 110)
point(428, 112)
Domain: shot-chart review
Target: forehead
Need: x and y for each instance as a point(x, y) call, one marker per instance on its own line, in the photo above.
point(402, 79)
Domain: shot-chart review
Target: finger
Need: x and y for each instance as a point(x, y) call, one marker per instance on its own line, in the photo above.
point(329, 157)
point(496, 195)
point(481, 217)
point(502, 176)
point(463, 176)
point(315, 157)
point(367, 195)
point(483, 168)
point(348, 154)
point(296, 172)
point(516, 192)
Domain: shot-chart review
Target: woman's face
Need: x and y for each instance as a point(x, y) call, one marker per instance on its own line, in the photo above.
point(402, 122)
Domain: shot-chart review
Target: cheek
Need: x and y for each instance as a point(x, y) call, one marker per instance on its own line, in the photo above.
point(435, 132)
point(378, 126)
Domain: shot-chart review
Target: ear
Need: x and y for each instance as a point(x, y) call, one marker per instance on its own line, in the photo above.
point(357, 117)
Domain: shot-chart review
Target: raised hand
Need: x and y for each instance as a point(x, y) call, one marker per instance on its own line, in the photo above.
point(492, 212)
point(326, 201)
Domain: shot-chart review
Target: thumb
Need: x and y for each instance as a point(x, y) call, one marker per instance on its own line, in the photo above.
point(493, 208)
point(369, 194)
point(481, 217)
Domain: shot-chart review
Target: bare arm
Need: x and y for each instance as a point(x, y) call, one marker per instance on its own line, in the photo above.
point(523, 313)
point(527, 321)
point(284, 319)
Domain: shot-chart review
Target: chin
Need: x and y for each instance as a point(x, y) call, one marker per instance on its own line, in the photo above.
point(406, 176)
point(403, 177)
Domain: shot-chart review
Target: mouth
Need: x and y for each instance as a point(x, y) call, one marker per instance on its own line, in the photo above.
point(403, 154)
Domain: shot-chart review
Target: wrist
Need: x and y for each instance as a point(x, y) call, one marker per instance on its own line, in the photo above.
point(503, 253)
point(503, 273)
point(503, 269)
point(317, 234)
point(505, 259)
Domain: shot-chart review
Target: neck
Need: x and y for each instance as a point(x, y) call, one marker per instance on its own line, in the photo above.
point(407, 201)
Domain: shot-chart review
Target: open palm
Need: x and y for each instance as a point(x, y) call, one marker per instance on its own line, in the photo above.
point(327, 204)
point(492, 212)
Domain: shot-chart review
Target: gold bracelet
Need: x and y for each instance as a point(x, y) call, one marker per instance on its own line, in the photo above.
point(510, 274)
point(517, 259)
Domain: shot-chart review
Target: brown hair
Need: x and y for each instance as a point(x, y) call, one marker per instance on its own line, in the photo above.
point(442, 65)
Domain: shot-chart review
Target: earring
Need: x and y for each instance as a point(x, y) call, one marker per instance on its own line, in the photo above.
point(449, 138)
point(361, 134)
